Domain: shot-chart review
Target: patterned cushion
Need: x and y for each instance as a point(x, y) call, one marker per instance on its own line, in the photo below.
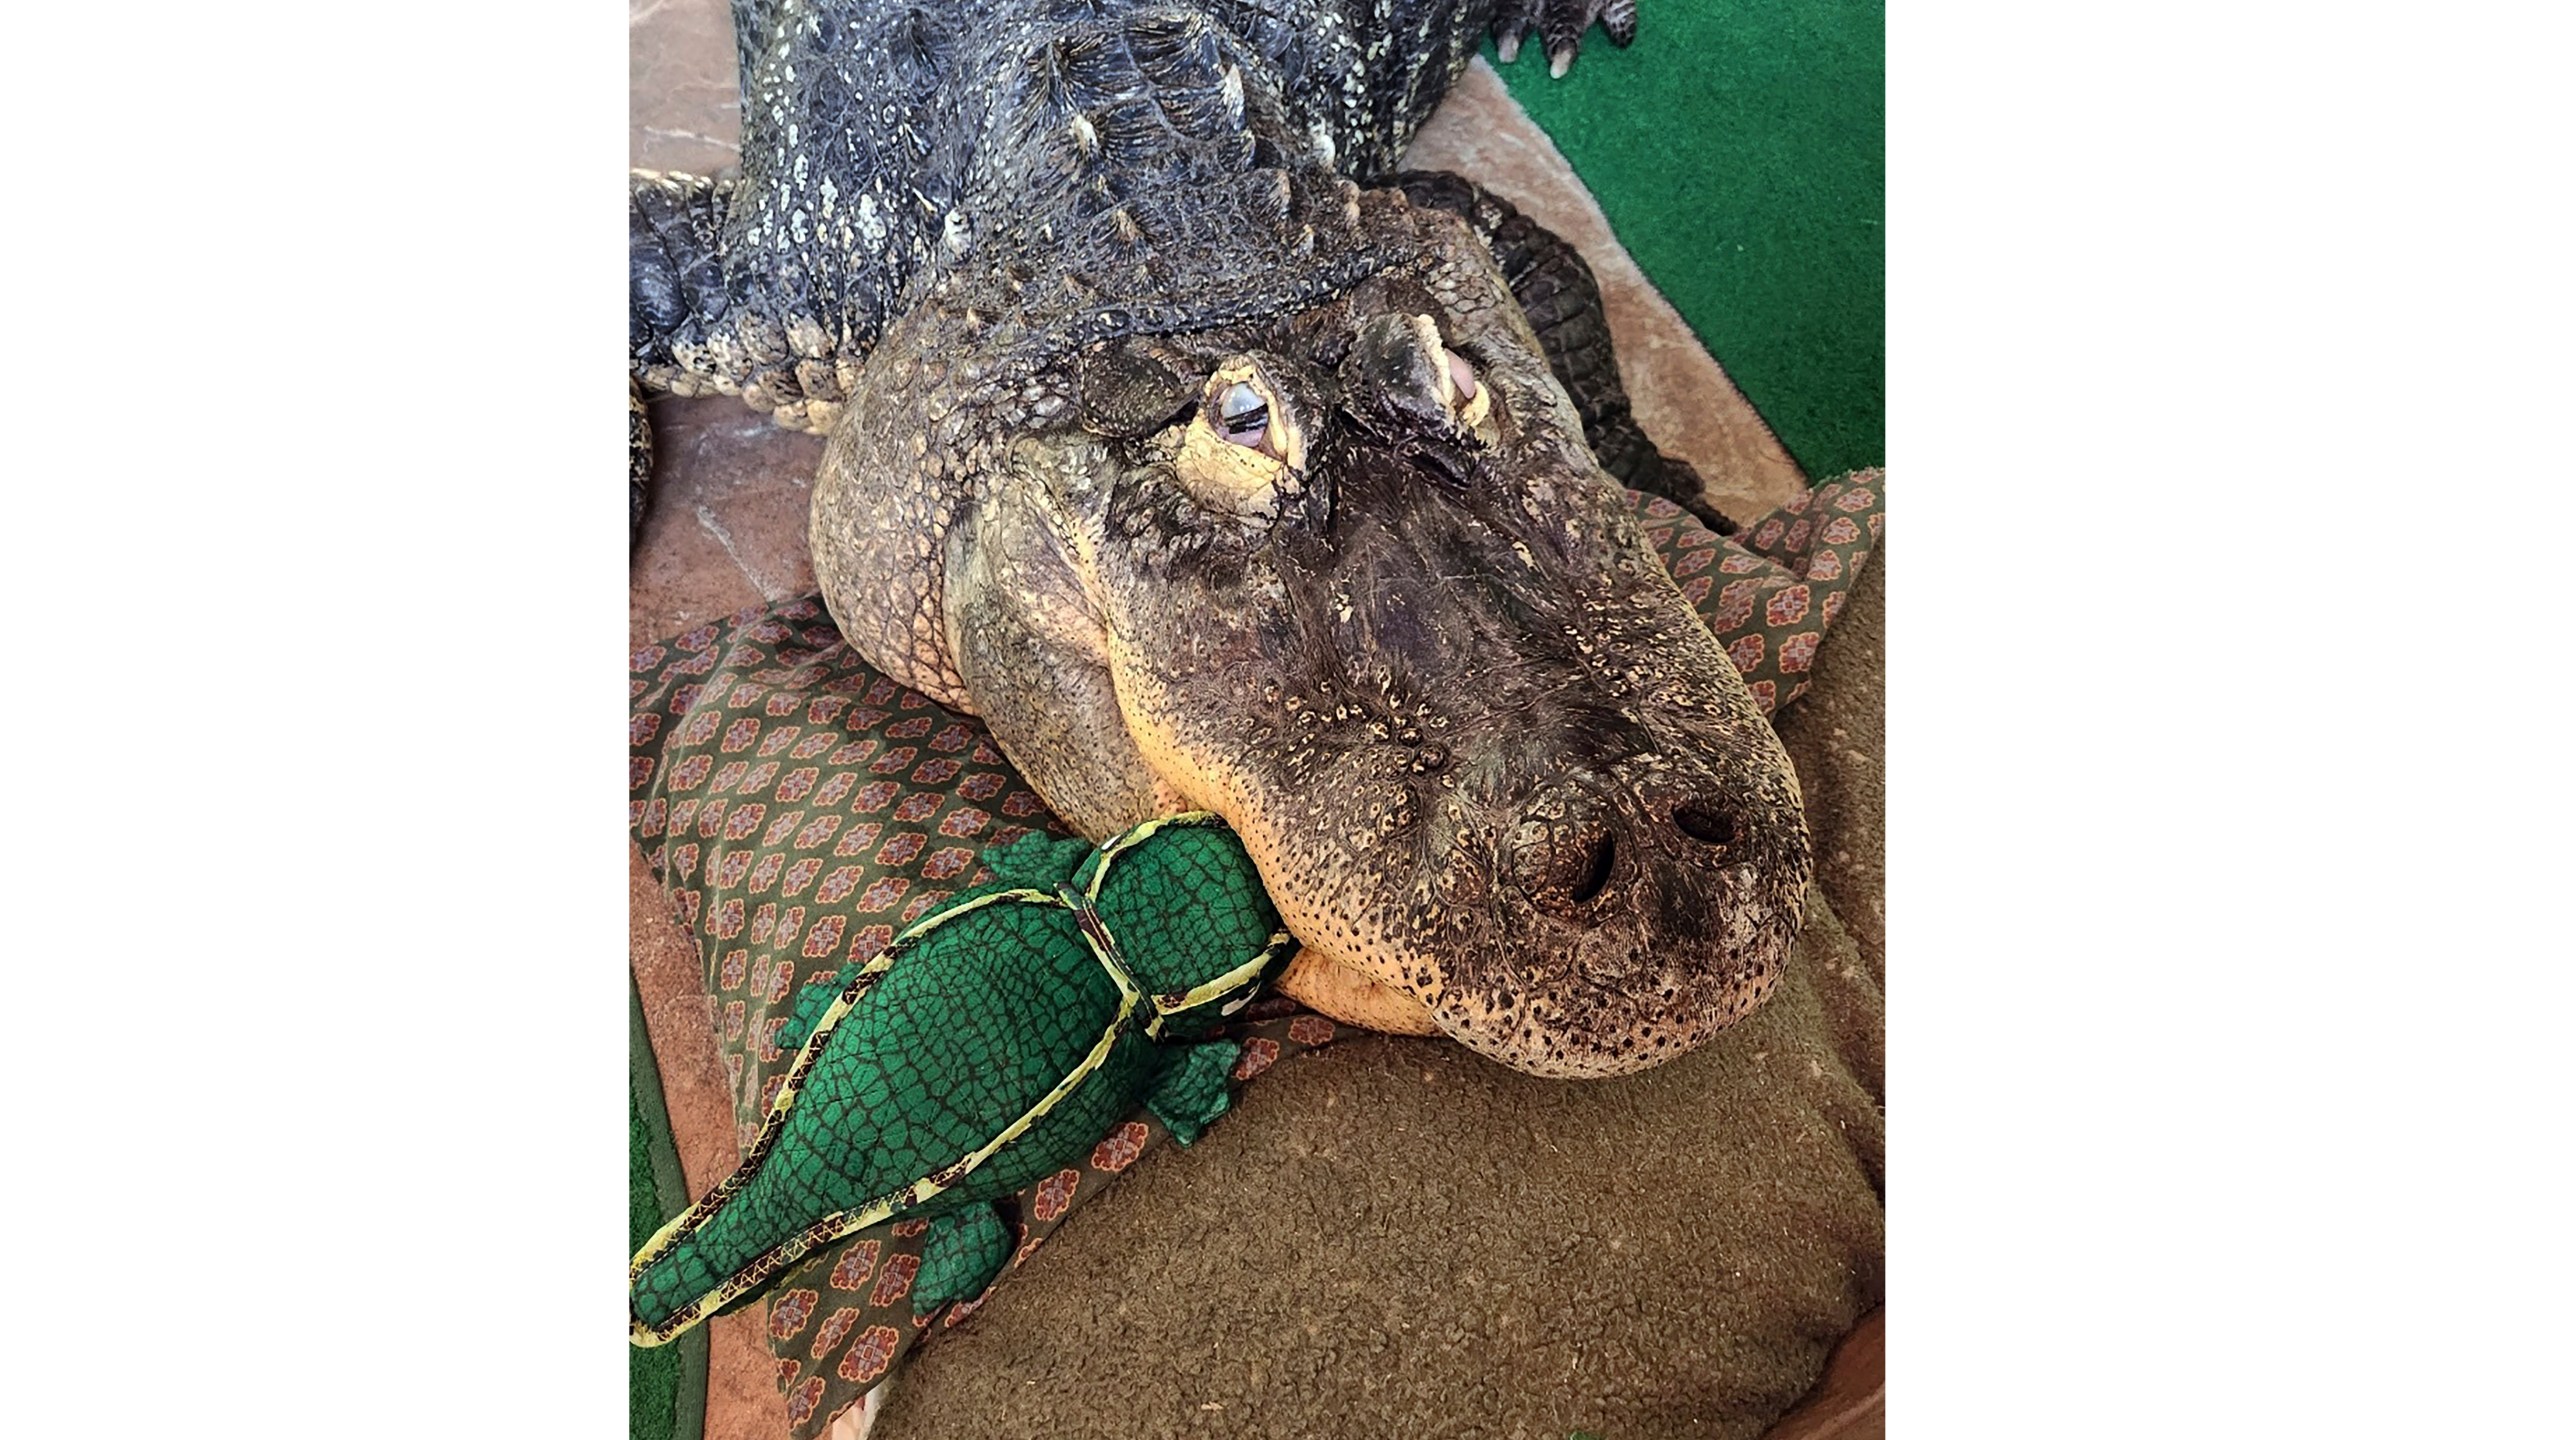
point(802, 809)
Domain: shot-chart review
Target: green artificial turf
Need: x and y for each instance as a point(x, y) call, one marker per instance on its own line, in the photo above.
point(1738, 150)
point(668, 1381)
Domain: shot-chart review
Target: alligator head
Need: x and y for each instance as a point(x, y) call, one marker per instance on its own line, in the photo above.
point(1348, 575)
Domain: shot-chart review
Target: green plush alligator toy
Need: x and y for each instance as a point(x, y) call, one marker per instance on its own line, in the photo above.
point(992, 1043)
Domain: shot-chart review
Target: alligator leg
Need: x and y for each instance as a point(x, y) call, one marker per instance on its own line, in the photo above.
point(963, 1253)
point(685, 337)
point(679, 299)
point(696, 328)
point(1562, 302)
point(1195, 1088)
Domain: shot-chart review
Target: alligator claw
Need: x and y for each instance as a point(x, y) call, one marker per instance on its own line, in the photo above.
point(1560, 25)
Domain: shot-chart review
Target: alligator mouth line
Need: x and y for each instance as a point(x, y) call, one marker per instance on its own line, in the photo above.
point(1320, 981)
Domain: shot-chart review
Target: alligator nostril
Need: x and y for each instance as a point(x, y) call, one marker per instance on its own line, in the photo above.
point(1702, 822)
point(1595, 867)
point(1562, 865)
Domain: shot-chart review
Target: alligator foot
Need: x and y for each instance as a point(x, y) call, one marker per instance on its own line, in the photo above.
point(963, 1254)
point(1194, 1089)
point(1560, 25)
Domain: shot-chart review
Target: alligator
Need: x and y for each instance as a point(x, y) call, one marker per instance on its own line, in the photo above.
point(1216, 465)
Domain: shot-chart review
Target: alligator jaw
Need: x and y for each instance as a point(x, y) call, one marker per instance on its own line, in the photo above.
point(1321, 982)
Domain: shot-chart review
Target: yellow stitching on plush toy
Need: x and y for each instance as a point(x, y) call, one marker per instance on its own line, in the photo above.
point(1223, 985)
point(768, 1133)
point(845, 1222)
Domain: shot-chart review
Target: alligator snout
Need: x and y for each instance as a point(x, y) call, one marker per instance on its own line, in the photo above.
point(1634, 912)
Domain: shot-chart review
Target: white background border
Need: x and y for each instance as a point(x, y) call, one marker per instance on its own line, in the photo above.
point(2221, 421)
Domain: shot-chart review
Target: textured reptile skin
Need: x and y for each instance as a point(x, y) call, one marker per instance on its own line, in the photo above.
point(994, 1042)
point(1021, 261)
point(886, 141)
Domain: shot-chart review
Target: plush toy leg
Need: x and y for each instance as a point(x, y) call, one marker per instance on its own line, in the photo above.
point(1038, 859)
point(962, 1255)
point(1195, 1089)
point(805, 1013)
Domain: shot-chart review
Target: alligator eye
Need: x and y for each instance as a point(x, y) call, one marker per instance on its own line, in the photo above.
point(1243, 415)
point(1243, 447)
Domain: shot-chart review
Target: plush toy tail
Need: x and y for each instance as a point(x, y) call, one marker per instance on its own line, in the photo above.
point(727, 1248)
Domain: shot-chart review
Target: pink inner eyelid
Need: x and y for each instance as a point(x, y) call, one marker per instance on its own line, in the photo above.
point(1462, 375)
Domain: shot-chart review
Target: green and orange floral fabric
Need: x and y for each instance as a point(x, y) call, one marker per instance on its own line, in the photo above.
point(802, 809)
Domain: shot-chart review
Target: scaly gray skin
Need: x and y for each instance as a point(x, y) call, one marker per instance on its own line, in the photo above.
point(1212, 470)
